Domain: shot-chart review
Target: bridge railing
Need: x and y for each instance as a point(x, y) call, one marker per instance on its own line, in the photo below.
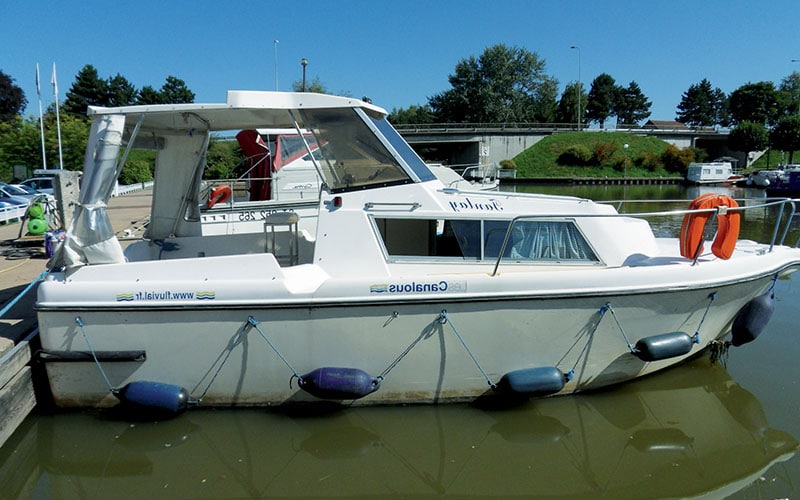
point(423, 128)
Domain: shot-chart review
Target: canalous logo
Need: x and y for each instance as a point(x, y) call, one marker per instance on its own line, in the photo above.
point(415, 287)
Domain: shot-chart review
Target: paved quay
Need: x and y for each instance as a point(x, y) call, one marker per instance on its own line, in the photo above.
point(21, 264)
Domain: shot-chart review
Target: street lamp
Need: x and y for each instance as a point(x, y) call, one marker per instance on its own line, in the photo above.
point(304, 63)
point(578, 87)
point(798, 100)
point(276, 63)
point(625, 166)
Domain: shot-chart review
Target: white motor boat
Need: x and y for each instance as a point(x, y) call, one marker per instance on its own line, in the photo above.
point(407, 290)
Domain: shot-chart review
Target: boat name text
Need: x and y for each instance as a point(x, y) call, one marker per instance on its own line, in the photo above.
point(414, 287)
point(491, 205)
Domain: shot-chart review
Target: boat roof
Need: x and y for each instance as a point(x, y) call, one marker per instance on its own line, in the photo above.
point(242, 109)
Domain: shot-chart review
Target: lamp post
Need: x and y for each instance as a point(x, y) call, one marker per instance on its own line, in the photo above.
point(276, 63)
point(625, 166)
point(578, 87)
point(798, 100)
point(304, 63)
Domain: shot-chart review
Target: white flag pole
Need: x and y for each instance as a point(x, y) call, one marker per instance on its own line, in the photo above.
point(41, 116)
point(58, 118)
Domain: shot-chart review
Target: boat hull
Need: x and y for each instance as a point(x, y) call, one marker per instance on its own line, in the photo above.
point(421, 350)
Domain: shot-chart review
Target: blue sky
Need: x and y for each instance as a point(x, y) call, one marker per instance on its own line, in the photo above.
point(398, 53)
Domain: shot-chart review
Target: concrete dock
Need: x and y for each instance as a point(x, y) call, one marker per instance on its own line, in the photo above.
point(22, 261)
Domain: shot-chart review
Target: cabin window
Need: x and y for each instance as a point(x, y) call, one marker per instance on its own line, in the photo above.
point(477, 240)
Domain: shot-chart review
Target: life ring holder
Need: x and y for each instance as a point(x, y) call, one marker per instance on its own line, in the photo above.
point(694, 223)
point(219, 194)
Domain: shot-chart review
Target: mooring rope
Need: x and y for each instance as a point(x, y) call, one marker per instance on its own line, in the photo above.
point(21, 294)
point(711, 298)
point(443, 318)
point(111, 388)
point(254, 324)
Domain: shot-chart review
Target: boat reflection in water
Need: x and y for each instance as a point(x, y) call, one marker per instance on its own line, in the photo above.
point(690, 431)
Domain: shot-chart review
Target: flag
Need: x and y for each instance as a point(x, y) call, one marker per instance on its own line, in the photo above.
point(53, 81)
point(38, 87)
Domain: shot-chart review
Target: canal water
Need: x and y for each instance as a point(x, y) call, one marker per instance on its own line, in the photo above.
point(724, 429)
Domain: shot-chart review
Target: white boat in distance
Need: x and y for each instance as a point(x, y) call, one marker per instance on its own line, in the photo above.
point(407, 291)
point(717, 172)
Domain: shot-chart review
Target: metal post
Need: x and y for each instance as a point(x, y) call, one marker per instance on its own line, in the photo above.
point(304, 63)
point(578, 88)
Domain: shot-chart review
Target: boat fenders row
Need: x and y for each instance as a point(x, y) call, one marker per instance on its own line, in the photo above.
point(344, 383)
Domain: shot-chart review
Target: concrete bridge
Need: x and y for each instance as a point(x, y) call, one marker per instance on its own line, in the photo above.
point(484, 144)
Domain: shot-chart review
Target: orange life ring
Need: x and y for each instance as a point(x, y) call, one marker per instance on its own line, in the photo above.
point(728, 223)
point(219, 194)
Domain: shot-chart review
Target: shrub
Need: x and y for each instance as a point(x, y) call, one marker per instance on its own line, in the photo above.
point(676, 160)
point(577, 154)
point(603, 152)
point(135, 171)
point(508, 164)
point(649, 161)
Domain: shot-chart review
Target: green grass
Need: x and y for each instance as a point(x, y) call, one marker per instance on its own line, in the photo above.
point(541, 159)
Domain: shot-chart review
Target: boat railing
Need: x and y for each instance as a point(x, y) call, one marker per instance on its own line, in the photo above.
point(787, 211)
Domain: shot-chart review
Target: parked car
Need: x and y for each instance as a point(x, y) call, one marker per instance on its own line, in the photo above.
point(40, 184)
point(12, 193)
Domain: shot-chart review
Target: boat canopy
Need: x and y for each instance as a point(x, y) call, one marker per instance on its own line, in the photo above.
point(360, 150)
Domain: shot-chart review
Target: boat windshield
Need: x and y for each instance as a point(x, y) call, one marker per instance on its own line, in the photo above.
point(353, 157)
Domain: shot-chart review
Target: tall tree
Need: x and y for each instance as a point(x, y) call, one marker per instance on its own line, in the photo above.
point(175, 91)
point(12, 98)
point(149, 95)
point(747, 137)
point(88, 89)
point(503, 84)
point(755, 102)
point(631, 105)
point(602, 95)
point(786, 135)
point(703, 106)
point(789, 94)
point(567, 110)
point(121, 92)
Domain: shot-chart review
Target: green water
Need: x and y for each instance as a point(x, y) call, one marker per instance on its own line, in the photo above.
point(700, 429)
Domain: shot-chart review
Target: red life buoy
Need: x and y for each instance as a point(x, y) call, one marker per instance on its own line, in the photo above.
point(728, 223)
point(219, 194)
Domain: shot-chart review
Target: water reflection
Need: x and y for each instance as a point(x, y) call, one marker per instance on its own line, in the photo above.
point(687, 432)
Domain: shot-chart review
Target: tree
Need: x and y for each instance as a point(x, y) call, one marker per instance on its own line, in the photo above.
point(631, 105)
point(786, 135)
point(504, 84)
point(175, 91)
point(87, 90)
point(748, 136)
point(149, 95)
point(412, 114)
point(602, 95)
point(703, 106)
point(121, 92)
point(12, 98)
point(789, 94)
point(567, 110)
point(755, 102)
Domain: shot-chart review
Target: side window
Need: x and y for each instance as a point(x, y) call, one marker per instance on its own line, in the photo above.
point(474, 240)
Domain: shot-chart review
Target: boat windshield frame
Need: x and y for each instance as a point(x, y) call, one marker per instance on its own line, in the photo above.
point(361, 151)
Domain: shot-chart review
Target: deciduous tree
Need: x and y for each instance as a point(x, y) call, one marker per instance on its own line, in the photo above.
point(786, 135)
point(748, 136)
point(755, 102)
point(504, 84)
point(12, 98)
